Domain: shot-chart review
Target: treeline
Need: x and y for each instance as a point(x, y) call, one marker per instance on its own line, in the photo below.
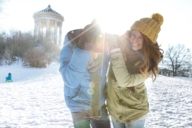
point(24, 47)
point(177, 61)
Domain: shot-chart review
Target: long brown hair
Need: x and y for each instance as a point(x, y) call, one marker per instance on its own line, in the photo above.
point(153, 54)
point(150, 55)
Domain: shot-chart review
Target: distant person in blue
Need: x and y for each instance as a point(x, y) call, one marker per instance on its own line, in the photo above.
point(9, 78)
point(80, 49)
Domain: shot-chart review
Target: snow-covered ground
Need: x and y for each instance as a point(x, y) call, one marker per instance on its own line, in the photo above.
point(35, 100)
point(170, 103)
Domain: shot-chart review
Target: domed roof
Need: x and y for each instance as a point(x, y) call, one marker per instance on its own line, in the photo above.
point(48, 12)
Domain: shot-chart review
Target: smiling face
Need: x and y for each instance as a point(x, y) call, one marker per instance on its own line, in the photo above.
point(136, 40)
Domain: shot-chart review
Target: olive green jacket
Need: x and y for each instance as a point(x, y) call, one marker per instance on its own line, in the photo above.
point(126, 93)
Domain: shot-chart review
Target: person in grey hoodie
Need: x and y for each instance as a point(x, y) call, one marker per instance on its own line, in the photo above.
point(80, 49)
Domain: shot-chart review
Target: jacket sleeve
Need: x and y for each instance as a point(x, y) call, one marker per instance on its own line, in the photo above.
point(122, 75)
point(73, 67)
point(67, 73)
point(65, 55)
point(73, 64)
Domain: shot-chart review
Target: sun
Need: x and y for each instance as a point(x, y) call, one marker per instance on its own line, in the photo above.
point(112, 27)
point(109, 27)
point(113, 16)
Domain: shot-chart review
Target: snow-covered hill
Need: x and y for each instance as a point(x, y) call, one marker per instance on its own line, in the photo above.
point(35, 100)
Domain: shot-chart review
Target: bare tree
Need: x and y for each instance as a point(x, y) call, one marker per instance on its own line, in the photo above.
point(2, 47)
point(18, 43)
point(178, 60)
point(23, 46)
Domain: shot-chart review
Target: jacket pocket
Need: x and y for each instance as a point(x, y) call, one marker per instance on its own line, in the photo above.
point(71, 92)
point(83, 96)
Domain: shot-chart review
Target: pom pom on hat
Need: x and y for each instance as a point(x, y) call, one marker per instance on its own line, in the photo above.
point(149, 27)
point(158, 18)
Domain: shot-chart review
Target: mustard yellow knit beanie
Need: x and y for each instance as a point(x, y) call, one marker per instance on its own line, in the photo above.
point(150, 27)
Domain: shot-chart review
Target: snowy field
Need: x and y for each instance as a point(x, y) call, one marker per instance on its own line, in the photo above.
point(35, 100)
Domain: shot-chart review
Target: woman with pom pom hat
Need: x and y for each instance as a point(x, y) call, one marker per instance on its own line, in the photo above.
point(134, 57)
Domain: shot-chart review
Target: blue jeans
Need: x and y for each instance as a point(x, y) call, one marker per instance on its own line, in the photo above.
point(132, 124)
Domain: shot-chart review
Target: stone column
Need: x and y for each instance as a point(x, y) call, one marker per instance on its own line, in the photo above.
point(55, 32)
point(60, 32)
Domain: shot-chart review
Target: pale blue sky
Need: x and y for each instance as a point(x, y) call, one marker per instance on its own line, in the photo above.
point(115, 16)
